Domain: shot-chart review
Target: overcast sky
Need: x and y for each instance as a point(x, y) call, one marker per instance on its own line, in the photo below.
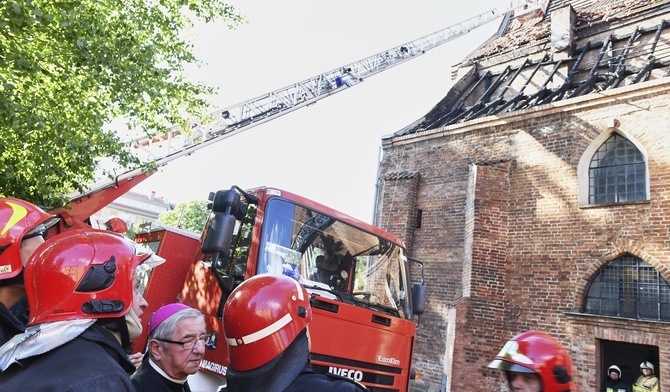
point(329, 151)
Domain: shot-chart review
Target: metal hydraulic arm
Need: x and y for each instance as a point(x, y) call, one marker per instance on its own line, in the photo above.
point(229, 121)
point(242, 116)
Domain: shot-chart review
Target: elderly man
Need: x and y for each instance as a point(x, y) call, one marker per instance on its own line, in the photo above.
point(177, 339)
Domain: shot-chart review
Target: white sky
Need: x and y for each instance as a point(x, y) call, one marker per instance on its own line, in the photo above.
point(329, 151)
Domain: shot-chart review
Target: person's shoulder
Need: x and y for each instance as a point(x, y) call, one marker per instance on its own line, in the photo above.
point(102, 382)
point(145, 378)
point(326, 382)
point(347, 381)
point(71, 367)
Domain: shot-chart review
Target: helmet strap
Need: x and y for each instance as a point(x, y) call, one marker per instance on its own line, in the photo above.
point(133, 324)
point(119, 328)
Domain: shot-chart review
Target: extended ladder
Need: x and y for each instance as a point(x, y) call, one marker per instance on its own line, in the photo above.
point(242, 116)
point(234, 119)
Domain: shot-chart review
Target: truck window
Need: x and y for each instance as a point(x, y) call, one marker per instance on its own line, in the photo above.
point(333, 259)
point(241, 244)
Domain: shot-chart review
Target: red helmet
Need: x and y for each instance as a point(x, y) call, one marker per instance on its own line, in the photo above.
point(537, 352)
point(262, 316)
point(18, 220)
point(82, 273)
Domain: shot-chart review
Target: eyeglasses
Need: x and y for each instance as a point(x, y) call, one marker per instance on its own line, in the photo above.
point(190, 344)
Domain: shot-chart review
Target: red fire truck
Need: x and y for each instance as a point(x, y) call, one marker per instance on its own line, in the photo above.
point(358, 276)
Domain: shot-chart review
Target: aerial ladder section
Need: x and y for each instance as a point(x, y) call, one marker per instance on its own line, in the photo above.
point(234, 119)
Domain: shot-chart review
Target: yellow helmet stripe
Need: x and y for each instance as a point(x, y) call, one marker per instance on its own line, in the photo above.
point(18, 214)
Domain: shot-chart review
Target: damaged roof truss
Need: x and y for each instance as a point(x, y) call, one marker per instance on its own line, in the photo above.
point(598, 66)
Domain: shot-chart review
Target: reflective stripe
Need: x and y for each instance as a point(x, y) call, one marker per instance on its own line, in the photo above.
point(270, 329)
point(18, 213)
point(265, 332)
point(511, 351)
point(298, 288)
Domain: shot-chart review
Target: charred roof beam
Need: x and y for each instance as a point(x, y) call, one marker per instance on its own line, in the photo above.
point(521, 95)
point(462, 115)
point(446, 119)
point(500, 100)
point(587, 85)
point(483, 103)
point(645, 72)
point(649, 64)
point(619, 73)
point(558, 94)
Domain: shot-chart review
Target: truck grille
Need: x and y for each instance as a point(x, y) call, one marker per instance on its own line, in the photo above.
point(367, 377)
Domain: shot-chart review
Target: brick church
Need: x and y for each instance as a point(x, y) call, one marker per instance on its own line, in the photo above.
point(537, 192)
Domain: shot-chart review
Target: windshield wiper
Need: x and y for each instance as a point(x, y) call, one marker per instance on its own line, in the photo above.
point(336, 293)
point(350, 298)
point(373, 305)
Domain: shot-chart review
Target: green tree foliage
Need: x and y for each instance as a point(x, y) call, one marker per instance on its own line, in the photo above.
point(191, 215)
point(69, 67)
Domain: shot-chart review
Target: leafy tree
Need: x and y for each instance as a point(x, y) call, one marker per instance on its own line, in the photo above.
point(190, 215)
point(69, 67)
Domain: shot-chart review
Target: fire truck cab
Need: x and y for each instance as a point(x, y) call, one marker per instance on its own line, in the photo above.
point(357, 275)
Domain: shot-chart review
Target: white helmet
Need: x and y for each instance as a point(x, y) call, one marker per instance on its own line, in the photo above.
point(614, 368)
point(647, 365)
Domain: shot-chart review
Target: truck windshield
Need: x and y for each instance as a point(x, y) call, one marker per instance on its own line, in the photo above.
point(333, 259)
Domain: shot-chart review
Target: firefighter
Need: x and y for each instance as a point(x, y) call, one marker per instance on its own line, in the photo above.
point(265, 323)
point(647, 382)
point(614, 383)
point(22, 225)
point(535, 361)
point(82, 288)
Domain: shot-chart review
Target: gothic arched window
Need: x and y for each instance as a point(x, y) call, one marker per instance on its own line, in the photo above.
point(617, 172)
point(629, 287)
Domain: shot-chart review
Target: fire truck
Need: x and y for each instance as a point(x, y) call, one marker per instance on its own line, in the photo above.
point(364, 300)
point(358, 276)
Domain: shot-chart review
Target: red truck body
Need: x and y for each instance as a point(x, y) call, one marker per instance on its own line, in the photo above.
point(163, 285)
point(357, 276)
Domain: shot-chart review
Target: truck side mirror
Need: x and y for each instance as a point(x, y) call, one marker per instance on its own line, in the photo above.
point(226, 208)
point(228, 202)
point(418, 291)
point(218, 234)
point(418, 298)
point(216, 243)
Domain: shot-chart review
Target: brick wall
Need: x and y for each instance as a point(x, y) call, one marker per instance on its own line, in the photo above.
point(487, 273)
point(518, 244)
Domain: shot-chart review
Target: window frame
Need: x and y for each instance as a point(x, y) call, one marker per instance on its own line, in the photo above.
point(584, 166)
point(616, 172)
point(635, 283)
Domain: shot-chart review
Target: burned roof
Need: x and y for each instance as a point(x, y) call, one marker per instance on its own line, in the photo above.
point(568, 49)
